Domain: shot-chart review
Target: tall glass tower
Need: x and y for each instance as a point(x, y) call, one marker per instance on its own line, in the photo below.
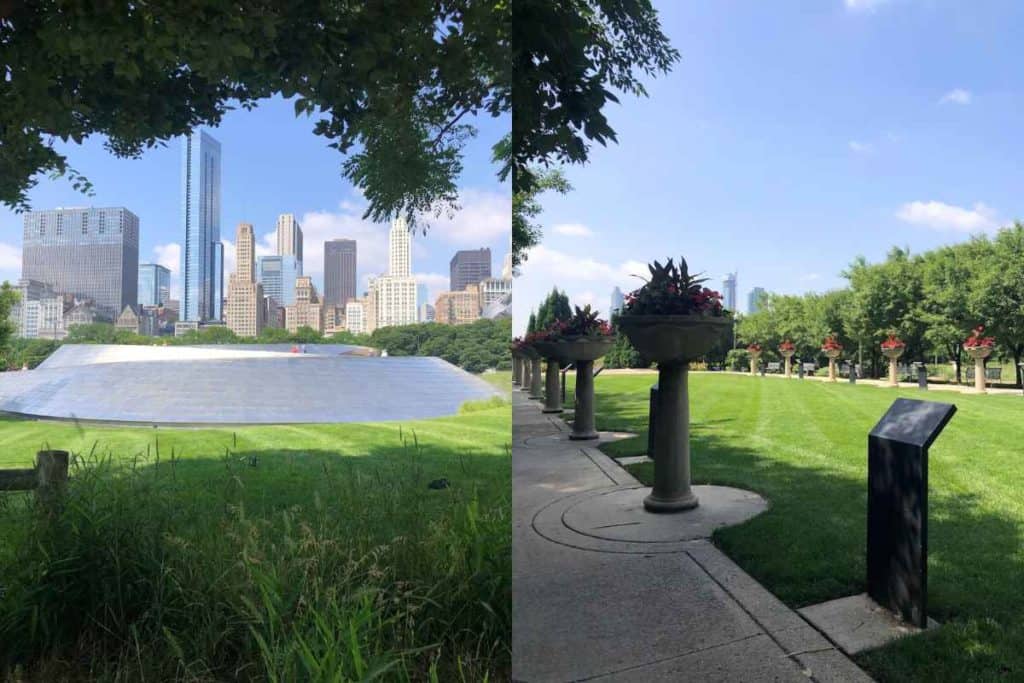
point(203, 256)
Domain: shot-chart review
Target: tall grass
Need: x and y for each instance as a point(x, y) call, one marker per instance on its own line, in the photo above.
point(301, 566)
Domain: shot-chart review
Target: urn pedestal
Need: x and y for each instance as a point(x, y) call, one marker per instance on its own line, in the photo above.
point(672, 341)
point(554, 355)
point(979, 354)
point(787, 355)
point(755, 357)
point(517, 368)
point(582, 352)
point(893, 354)
point(526, 383)
point(832, 354)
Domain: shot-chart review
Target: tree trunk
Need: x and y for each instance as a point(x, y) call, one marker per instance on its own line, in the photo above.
point(1016, 365)
point(955, 354)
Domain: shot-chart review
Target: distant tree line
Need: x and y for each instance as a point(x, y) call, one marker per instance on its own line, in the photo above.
point(474, 347)
point(931, 300)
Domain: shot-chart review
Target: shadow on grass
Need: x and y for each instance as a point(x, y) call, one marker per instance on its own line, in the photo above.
point(810, 547)
point(268, 563)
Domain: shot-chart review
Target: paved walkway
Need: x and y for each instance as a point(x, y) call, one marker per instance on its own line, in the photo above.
point(594, 610)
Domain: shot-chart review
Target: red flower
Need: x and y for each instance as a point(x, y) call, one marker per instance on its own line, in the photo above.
point(893, 342)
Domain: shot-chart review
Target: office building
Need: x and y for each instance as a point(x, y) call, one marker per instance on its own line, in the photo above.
point(203, 256)
point(506, 268)
point(458, 308)
point(426, 313)
point(493, 289)
point(277, 274)
point(154, 284)
point(245, 307)
point(617, 301)
point(307, 311)
point(392, 297)
point(355, 320)
point(339, 271)
point(729, 292)
point(754, 299)
point(469, 267)
point(289, 238)
point(86, 253)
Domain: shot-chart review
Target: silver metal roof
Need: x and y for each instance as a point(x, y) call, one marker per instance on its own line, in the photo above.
point(235, 385)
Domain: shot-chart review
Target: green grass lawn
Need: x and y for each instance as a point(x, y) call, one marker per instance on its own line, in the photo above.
point(803, 445)
point(306, 552)
point(502, 379)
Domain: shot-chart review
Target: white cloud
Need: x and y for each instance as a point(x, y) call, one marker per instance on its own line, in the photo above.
point(10, 257)
point(858, 147)
point(435, 282)
point(810, 277)
point(584, 280)
point(941, 216)
point(956, 96)
point(573, 230)
point(483, 216)
point(169, 256)
point(863, 5)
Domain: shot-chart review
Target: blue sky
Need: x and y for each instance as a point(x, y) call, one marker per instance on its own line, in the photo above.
point(271, 164)
point(792, 137)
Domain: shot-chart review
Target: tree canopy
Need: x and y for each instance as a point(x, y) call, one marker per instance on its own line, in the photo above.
point(389, 83)
point(931, 300)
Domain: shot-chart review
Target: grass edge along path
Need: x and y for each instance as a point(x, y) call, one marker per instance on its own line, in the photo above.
point(265, 553)
point(803, 445)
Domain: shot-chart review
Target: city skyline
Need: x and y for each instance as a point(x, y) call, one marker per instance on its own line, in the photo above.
point(291, 171)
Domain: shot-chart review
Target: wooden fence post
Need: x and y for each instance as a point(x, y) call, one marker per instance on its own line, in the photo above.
point(52, 476)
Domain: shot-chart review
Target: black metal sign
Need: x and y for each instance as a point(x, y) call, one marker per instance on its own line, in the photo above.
point(898, 505)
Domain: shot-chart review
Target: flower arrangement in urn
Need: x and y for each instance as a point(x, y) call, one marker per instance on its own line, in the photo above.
point(831, 346)
point(754, 348)
point(584, 336)
point(673, 319)
point(673, 291)
point(832, 349)
point(893, 348)
point(787, 347)
point(979, 347)
point(977, 341)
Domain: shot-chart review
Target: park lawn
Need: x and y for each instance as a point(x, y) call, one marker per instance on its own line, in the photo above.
point(295, 552)
point(803, 445)
point(501, 379)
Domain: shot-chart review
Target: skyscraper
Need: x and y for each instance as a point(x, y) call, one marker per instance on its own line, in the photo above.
point(88, 253)
point(154, 284)
point(203, 254)
point(754, 299)
point(277, 274)
point(469, 267)
point(729, 291)
point(617, 301)
point(244, 314)
point(339, 271)
point(506, 267)
point(289, 238)
point(396, 292)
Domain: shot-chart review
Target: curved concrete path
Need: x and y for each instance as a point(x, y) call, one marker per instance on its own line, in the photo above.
point(606, 602)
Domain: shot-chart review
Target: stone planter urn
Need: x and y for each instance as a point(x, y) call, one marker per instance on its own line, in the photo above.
point(832, 354)
point(582, 352)
point(517, 368)
point(529, 354)
point(554, 353)
point(979, 354)
point(893, 353)
point(672, 341)
point(787, 355)
point(755, 358)
point(535, 386)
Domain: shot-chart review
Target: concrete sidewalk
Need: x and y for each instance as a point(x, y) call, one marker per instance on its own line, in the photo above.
point(588, 605)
